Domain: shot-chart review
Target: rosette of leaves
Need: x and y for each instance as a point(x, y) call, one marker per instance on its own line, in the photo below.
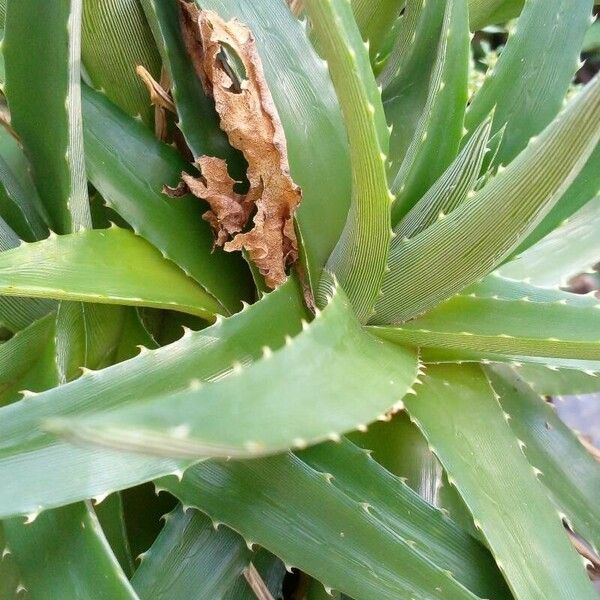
point(275, 261)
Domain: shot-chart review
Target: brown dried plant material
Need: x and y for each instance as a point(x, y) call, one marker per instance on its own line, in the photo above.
point(159, 98)
point(249, 118)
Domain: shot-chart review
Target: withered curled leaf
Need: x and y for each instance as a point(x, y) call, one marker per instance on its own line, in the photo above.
point(249, 118)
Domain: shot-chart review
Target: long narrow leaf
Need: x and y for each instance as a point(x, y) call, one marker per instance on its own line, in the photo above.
point(457, 410)
point(302, 404)
point(109, 266)
point(438, 132)
point(64, 554)
point(531, 78)
point(26, 450)
point(449, 190)
point(360, 257)
point(115, 39)
point(468, 244)
point(566, 468)
point(20, 204)
point(571, 249)
point(517, 327)
point(130, 167)
point(190, 557)
point(41, 53)
point(368, 557)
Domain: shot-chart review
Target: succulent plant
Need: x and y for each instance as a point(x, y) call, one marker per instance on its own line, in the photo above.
point(298, 269)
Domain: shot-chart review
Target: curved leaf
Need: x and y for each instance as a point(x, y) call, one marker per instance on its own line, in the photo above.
point(191, 558)
point(565, 467)
point(449, 190)
point(130, 167)
point(64, 554)
point(26, 450)
point(569, 250)
point(457, 411)
point(20, 204)
point(367, 557)
point(116, 39)
point(49, 86)
point(302, 404)
point(585, 187)
point(438, 132)
point(530, 80)
point(107, 266)
point(468, 244)
point(517, 327)
point(360, 256)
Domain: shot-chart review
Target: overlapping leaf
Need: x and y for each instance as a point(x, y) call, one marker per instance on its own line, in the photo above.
point(360, 256)
point(457, 410)
point(468, 244)
point(301, 405)
point(112, 266)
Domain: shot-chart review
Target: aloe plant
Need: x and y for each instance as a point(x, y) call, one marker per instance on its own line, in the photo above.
point(282, 266)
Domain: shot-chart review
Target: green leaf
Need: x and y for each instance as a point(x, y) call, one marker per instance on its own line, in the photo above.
point(564, 466)
point(309, 111)
point(368, 555)
point(438, 132)
point(303, 403)
point(553, 381)
point(197, 117)
point(129, 167)
point(112, 520)
point(26, 450)
point(355, 473)
point(107, 266)
point(11, 586)
point(585, 187)
point(468, 244)
point(457, 410)
point(86, 337)
point(20, 204)
point(272, 572)
point(375, 19)
point(407, 76)
point(26, 361)
point(530, 80)
point(115, 39)
point(18, 313)
point(360, 256)
point(387, 66)
point(569, 250)
point(449, 191)
point(64, 554)
point(402, 449)
point(41, 51)
point(490, 12)
point(516, 327)
point(191, 558)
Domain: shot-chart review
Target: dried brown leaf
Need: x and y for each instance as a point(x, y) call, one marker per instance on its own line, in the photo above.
point(159, 98)
point(249, 118)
